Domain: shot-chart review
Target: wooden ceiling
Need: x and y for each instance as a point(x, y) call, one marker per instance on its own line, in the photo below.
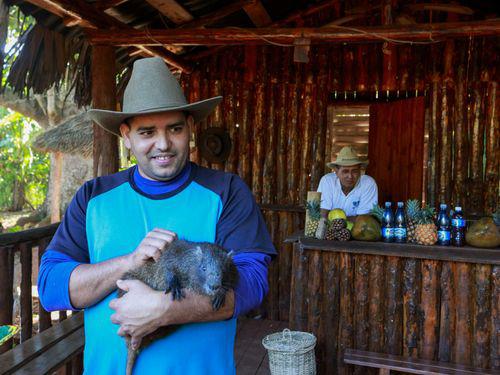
point(175, 29)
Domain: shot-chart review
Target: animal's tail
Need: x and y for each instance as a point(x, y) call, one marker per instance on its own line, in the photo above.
point(131, 356)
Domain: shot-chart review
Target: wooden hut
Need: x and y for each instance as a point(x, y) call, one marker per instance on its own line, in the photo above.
point(415, 85)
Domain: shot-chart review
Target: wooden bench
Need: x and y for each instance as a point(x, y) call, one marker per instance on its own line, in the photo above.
point(387, 362)
point(47, 351)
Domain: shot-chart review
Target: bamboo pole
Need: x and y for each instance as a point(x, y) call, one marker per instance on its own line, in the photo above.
point(394, 307)
point(361, 300)
point(346, 316)
point(460, 140)
point(433, 138)
point(377, 304)
point(447, 314)
point(362, 68)
point(492, 168)
point(482, 312)
point(285, 222)
point(475, 202)
point(463, 331)
point(411, 293)
point(329, 332)
point(305, 123)
point(495, 318)
point(430, 309)
point(314, 301)
point(194, 96)
point(293, 154)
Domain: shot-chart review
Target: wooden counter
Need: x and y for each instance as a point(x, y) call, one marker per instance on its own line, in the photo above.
point(429, 302)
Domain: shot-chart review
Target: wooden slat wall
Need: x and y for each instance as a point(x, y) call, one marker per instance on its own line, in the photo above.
point(275, 111)
point(429, 309)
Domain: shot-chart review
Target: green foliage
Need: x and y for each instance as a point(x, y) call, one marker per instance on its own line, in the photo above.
point(19, 162)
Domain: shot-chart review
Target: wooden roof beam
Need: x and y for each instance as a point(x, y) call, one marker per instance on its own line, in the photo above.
point(172, 10)
point(216, 15)
point(84, 11)
point(231, 36)
point(106, 4)
point(258, 14)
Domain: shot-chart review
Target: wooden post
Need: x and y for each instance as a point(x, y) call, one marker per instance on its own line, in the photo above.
point(55, 203)
point(389, 50)
point(105, 147)
point(6, 289)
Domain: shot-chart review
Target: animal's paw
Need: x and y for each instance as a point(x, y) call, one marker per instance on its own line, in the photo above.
point(174, 285)
point(218, 300)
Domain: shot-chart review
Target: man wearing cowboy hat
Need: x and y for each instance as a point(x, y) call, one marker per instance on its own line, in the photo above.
point(117, 223)
point(346, 188)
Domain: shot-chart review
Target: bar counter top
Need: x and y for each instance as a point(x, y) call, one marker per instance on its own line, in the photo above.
point(465, 254)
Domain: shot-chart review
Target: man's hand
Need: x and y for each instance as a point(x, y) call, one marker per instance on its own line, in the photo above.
point(139, 311)
point(142, 310)
point(151, 246)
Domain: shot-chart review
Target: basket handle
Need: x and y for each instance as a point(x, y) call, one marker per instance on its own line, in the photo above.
point(287, 332)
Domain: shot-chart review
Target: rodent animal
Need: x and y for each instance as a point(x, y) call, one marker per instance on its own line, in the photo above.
point(205, 268)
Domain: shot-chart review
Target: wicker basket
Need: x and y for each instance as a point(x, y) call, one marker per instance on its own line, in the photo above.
point(291, 353)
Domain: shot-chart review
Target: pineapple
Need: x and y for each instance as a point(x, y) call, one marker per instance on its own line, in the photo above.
point(330, 233)
point(378, 212)
point(412, 210)
point(426, 231)
point(312, 218)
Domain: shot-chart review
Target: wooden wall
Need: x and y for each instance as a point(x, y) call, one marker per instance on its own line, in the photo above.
point(275, 111)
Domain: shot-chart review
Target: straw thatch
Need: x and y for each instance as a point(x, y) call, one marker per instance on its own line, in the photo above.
point(73, 136)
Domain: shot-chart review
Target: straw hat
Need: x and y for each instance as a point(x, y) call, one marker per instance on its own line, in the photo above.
point(152, 89)
point(347, 157)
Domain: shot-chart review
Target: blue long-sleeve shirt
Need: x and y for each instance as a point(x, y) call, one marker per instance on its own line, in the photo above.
point(109, 216)
point(56, 267)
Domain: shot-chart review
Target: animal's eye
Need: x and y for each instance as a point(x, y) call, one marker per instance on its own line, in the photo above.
point(203, 268)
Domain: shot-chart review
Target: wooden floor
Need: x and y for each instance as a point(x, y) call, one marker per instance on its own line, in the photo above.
point(249, 354)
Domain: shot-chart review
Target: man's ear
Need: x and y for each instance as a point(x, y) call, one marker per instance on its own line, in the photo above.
point(190, 121)
point(124, 131)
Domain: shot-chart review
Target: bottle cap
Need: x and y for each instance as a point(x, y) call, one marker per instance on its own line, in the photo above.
point(388, 204)
point(400, 204)
point(443, 206)
point(458, 208)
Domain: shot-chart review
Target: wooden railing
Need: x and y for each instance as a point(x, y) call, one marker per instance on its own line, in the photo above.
point(25, 245)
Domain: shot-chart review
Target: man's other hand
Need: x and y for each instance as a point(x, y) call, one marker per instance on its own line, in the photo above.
point(151, 246)
point(139, 311)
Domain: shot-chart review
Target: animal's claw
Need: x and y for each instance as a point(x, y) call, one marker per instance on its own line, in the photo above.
point(218, 300)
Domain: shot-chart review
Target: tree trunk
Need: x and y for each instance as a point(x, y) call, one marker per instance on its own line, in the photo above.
point(18, 198)
point(4, 22)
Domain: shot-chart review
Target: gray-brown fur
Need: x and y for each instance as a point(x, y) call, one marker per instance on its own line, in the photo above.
point(205, 268)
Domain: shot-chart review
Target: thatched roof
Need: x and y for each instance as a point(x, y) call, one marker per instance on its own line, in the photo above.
point(73, 136)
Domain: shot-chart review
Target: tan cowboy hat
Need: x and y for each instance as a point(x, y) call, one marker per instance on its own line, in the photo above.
point(347, 157)
point(152, 89)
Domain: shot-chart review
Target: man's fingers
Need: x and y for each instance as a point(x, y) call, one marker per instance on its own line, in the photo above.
point(165, 231)
point(123, 331)
point(123, 285)
point(115, 319)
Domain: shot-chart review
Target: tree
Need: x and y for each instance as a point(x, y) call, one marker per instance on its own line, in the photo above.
point(47, 109)
point(24, 172)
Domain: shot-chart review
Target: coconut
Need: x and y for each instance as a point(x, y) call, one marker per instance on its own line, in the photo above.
point(483, 233)
point(366, 228)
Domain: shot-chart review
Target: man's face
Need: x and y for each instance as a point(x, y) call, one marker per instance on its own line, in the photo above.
point(348, 176)
point(160, 143)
